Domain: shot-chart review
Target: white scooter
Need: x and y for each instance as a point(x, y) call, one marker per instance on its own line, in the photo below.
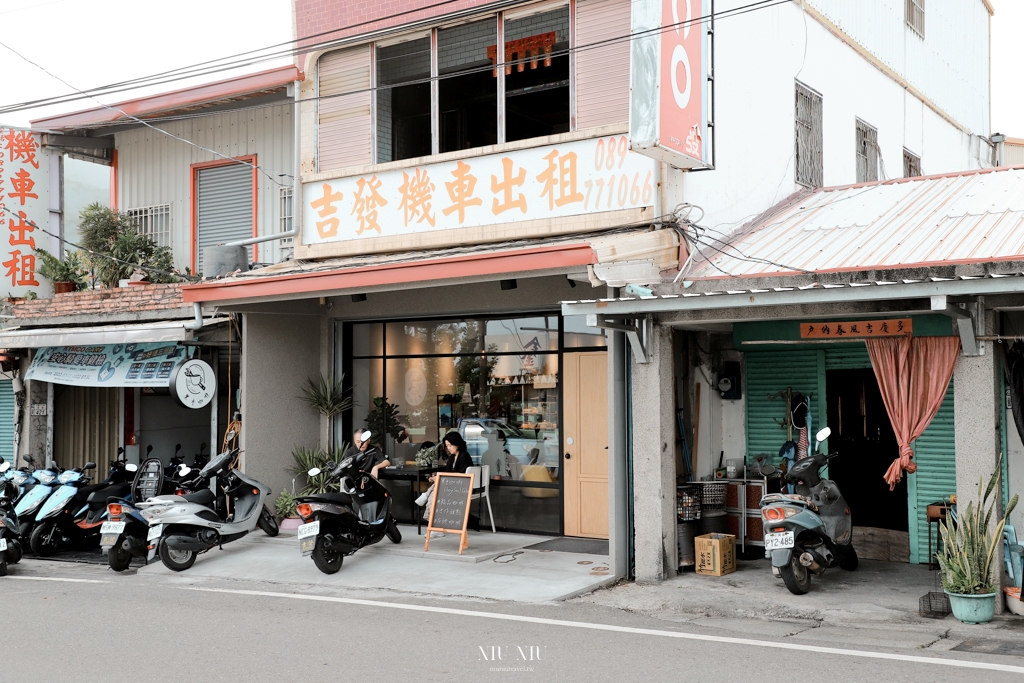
point(182, 527)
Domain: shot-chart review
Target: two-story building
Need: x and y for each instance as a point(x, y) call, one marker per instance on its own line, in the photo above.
point(466, 167)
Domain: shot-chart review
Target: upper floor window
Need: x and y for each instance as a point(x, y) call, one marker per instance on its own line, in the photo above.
point(451, 88)
point(809, 164)
point(911, 164)
point(915, 16)
point(154, 222)
point(867, 152)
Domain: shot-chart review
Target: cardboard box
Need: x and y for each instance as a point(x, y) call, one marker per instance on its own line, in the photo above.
point(715, 554)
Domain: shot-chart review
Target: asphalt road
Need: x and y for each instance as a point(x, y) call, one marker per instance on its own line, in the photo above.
point(75, 622)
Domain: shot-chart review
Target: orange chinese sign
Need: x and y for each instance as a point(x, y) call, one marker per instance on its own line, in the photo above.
point(857, 329)
point(573, 178)
point(23, 210)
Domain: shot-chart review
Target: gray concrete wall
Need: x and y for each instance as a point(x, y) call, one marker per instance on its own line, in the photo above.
point(279, 353)
point(654, 467)
point(977, 407)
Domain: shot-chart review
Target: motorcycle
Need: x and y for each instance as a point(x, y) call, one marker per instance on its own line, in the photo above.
point(182, 527)
point(38, 487)
point(10, 539)
point(340, 523)
point(809, 530)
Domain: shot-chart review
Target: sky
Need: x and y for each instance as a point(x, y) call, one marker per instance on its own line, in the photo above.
point(94, 42)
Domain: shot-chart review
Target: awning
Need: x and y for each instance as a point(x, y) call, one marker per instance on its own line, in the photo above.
point(146, 364)
point(164, 331)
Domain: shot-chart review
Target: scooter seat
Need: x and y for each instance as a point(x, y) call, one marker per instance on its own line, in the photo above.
point(332, 497)
point(115, 491)
point(201, 497)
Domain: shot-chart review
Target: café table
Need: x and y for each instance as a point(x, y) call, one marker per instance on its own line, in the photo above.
point(414, 474)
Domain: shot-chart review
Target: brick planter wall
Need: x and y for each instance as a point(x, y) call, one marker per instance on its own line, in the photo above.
point(103, 301)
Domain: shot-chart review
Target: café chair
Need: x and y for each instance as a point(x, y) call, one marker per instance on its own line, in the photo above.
point(482, 473)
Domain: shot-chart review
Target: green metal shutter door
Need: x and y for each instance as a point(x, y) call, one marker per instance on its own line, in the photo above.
point(935, 479)
point(223, 207)
point(6, 421)
point(768, 372)
point(847, 357)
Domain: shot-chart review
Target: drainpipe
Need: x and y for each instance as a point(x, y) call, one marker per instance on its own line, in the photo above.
point(196, 324)
point(296, 184)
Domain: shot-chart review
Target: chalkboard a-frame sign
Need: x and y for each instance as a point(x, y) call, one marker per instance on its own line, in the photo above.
point(449, 509)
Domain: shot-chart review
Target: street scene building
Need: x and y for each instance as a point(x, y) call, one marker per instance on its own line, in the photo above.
point(662, 276)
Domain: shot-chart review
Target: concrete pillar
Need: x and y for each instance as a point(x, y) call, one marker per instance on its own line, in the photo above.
point(976, 415)
point(654, 469)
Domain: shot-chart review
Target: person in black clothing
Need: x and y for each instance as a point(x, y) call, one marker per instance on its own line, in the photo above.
point(459, 461)
point(369, 458)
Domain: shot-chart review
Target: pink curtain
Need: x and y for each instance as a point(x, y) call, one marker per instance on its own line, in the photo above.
point(913, 374)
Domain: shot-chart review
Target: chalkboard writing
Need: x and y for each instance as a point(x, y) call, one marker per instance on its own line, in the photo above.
point(450, 508)
point(451, 503)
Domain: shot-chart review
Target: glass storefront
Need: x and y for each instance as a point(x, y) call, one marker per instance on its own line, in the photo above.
point(494, 381)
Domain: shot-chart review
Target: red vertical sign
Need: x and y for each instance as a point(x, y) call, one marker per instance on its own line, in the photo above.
point(681, 90)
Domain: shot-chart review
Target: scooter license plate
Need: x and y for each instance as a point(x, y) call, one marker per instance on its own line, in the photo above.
point(115, 528)
point(3, 544)
point(778, 541)
point(155, 532)
point(307, 536)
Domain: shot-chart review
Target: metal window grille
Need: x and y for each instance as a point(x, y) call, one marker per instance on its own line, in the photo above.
point(286, 214)
point(911, 165)
point(808, 137)
point(867, 153)
point(154, 222)
point(915, 16)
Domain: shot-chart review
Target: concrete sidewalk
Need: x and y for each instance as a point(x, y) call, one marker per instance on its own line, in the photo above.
point(495, 567)
point(877, 605)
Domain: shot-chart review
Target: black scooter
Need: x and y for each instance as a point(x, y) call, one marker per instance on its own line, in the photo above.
point(809, 530)
point(338, 524)
point(10, 538)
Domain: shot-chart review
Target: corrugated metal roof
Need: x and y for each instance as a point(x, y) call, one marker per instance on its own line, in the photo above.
point(971, 217)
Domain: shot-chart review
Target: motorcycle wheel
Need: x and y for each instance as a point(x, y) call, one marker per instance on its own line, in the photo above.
point(45, 539)
point(24, 529)
point(13, 553)
point(327, 561)
point(796, 576)
point(849, 561)
point(268, 523)
point(3, 567)
point(393, 534)
point(177, 560)
point(118, 558)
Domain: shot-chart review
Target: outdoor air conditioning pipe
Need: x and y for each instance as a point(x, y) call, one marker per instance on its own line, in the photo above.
point(196, 324)
point(296, 183)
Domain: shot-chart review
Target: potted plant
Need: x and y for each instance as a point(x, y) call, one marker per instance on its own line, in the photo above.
point(308, 458)
point(966, 558)
point(284, 508)
point(382, 421)
point(116, 250)
point(327, 396)
point(67, 275)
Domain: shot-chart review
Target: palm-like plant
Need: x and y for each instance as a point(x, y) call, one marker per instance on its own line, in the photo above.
point(970, 544)
point(308, 458)
point(327, 396)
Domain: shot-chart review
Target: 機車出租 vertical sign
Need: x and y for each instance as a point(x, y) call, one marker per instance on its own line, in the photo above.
point(669, 86)
point(24, 210)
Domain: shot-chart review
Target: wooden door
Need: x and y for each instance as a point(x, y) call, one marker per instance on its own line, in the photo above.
point(585, 444)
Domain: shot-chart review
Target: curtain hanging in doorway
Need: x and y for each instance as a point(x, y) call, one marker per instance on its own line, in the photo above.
point(913, 374)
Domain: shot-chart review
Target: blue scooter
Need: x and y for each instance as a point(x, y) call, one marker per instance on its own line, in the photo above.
point(38, 486)
point(809, 530)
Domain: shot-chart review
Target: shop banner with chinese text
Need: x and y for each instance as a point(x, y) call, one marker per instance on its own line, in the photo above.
point(569, 179)
point(896, 327)
point(147, 364)
point(24, 204)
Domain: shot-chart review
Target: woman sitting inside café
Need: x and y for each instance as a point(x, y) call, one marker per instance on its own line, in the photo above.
point(458, 461)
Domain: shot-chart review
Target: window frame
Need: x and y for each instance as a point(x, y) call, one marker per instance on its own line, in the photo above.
point(146, 213)
point(914, 16)
point(815, 177)
point(870, 160)
point(194, 169)
point(909, 160)
point(281, 218)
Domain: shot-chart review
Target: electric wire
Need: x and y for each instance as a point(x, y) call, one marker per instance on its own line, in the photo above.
point(181, 74)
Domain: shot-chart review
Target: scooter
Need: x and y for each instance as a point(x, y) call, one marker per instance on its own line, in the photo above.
point(10, 539)
point(182, 527)
point(28, 506)
point(339, 524)
point(56, 519)
point(809, 530)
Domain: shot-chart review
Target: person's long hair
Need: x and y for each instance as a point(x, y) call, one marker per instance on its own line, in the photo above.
point(455, 439)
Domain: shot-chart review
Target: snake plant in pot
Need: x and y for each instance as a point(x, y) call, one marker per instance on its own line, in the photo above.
point(969, 547)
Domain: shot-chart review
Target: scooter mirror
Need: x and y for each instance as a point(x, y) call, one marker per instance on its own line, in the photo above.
point(183, 470)
point(313, 472)
point(365, 436)
point(132, 467)
point(4, 467)
point(823, 434)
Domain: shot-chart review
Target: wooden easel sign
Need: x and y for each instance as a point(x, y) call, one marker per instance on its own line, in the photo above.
point(449, 507)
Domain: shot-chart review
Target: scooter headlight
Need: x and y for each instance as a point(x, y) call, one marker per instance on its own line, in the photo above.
point(65, 477)
point(46, 478)
point(19, 479)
